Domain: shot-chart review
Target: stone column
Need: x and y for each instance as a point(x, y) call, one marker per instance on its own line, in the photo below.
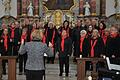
point(41, 8)
point(36, 7)
point(18, 7)
point(98, 7)
point(24, 7)
point(93, 7)
point(81, 7)
point(102, 7)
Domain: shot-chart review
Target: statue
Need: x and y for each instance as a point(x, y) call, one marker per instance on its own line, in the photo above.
point(30, 9)
point(117, 6)
point(86, 9)
point(7, 6)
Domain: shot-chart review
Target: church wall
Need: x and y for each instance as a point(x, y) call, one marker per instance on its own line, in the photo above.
point(13, 11)
point(110, 7)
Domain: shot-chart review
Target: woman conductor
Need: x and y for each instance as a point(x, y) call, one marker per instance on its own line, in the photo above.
point(35, 51)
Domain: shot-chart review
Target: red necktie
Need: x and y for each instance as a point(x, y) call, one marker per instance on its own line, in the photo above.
point(81, 43)
point(92, 47)
point(62, 44)
point(12, 33)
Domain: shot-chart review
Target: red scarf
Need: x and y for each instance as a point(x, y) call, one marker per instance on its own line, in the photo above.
point(62, 44)
point(12, 32)
point(67, 30)
point(44, 37)
point(92, 47)
point(23, 37)
point(5, 42)
point(104, 39)
point(31, 35)
point(101, 32)
point(89, 33)
point(81, 43)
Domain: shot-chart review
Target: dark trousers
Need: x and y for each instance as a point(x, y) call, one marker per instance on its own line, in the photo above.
point(22, 61)
point(4, 62)
point(34, 74)
point(0, 70)
point(15, 50)
point(4, 66)
point(64, 61)
point(50, 59)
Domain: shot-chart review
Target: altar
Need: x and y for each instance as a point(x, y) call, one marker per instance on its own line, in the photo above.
point(59, 10)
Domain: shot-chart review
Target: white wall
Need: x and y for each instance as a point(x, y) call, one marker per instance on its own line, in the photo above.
point(110, 7)
point(13, 8)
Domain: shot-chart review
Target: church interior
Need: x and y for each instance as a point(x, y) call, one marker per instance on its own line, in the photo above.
point(84, 35)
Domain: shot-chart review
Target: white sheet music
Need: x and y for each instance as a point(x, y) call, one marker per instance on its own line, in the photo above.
point(45, 55)
point(112, 66)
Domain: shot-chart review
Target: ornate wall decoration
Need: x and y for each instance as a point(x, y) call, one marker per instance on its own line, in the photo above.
point(58, 16)
point(7, 19)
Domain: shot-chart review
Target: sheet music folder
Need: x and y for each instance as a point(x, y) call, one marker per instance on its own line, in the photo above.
point(112, 66)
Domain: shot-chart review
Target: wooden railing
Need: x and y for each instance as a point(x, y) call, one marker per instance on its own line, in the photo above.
point(11, 66)
point(81, 67)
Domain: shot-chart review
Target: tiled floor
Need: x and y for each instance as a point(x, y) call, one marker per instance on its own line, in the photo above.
point(52, 72)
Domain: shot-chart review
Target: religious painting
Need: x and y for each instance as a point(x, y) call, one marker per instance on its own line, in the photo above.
point(59, 4)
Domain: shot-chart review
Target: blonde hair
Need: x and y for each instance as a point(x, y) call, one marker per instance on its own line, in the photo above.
point(107, 30)
point(36, 34)
point(96, 31)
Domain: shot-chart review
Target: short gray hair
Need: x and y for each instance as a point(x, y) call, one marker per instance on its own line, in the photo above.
point(83, 31)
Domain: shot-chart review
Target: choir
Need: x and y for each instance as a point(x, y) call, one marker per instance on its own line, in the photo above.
point(86, 38)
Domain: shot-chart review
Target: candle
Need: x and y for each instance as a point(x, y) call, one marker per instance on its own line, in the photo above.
point(89, 78)
point(80, 56)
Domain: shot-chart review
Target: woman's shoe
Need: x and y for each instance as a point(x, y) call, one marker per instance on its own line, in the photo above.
point(60, 74)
